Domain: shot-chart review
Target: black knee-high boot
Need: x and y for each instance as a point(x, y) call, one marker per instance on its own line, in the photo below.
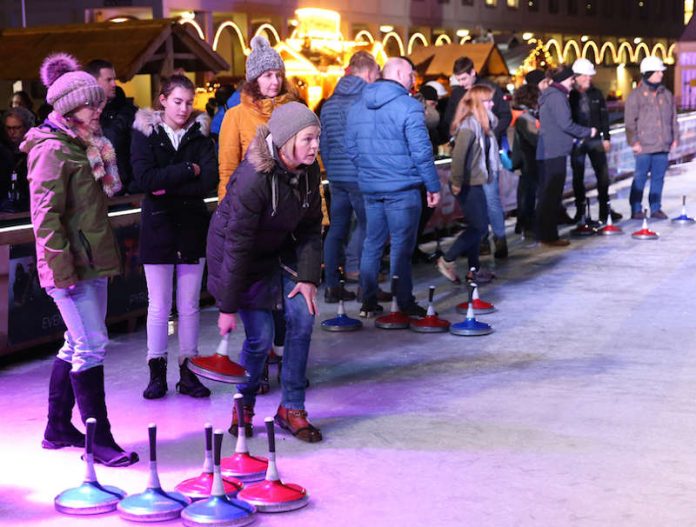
point(60, 431)
point(88, 386)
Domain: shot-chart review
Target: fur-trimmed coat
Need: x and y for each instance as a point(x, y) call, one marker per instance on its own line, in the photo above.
point(174, 224)
point(269, 219)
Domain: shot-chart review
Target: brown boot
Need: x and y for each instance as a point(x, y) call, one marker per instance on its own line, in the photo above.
point(296, 422)
point(248, 421)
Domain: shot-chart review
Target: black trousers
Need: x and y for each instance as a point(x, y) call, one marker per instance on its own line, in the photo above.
point(552, 175)
point(594, 149)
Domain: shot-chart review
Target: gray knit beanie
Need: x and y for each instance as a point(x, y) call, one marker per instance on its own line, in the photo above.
point(262, 58)
point(68, 87)
point(289, 119)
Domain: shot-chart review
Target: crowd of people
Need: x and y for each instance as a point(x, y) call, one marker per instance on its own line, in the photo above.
point(263, 245)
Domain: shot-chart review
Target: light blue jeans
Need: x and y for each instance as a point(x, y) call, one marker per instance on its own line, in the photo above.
point(160, 288)
point(656, 165)
point(259, 327)
point(496, 215)
point(83, 308)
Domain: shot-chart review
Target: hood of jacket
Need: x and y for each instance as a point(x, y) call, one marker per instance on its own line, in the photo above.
point(382, 92)
point(147, 120)
point(350, 85)
point(48, 131)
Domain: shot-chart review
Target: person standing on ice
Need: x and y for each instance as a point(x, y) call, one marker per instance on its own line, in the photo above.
point(174, 163)
point(652, 131)
point(72, 170)
point(264, 248)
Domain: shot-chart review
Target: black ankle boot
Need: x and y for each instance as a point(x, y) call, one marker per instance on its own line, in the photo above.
point(189, 384)
point(157, 387)
point(88, 387)
point(60, 431)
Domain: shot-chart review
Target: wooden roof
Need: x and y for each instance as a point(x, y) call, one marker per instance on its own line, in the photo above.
point(133, 47)
point(438, 60)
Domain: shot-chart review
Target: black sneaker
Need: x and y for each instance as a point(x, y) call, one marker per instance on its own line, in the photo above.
point(414, 310)
point(332, 294)
point(369, 310)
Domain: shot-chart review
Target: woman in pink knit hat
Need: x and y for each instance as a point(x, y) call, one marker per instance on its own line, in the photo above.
point(72, 171)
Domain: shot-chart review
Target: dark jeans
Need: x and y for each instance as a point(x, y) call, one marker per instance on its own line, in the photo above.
point(527, 187)
point(258, 327)
point(472, 201)
point(394, 215)
point(345, 198)
point(594, 149)
point(552, 175)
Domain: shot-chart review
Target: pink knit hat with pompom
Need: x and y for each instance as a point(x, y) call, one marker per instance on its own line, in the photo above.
point(68, 87)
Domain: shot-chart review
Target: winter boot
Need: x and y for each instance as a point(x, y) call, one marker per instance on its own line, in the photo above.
point(189, 384)
point(248, 420)
point(501, 248)
point(60, 431)
point(88, 387)
point(157, 388)
point(296, 422)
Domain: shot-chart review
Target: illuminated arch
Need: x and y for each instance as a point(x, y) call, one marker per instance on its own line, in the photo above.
point(195, 25)
point(412, 41)
point(271, 30)
point(365, 34)
point(663, 50)
point(629, 52)
point(571, 44)
point(465, 39)
point(553, 42)
point(395, 36)
point(443, 39)
point(670, 52)
point(591, 45)
point(641, 46)
point(603, 50)
point(237, 31)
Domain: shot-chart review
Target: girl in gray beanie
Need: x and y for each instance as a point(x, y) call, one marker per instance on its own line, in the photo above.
point(265, 90)
point(76, 253)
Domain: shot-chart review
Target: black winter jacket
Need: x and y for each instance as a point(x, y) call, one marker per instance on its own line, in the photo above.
point(116, 121)
point(269, 219)
point(599, 116)
point(173, 225)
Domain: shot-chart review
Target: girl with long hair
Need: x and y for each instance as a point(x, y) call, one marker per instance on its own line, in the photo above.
point(475, 159)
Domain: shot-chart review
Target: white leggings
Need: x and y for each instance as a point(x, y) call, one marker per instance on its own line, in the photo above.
point(160, 285)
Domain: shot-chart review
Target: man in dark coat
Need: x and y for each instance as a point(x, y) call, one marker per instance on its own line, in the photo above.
point(556, 137)
point(589, 109)
point(116, 119)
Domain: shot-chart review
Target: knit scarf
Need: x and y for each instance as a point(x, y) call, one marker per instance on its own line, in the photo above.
point(100, 154)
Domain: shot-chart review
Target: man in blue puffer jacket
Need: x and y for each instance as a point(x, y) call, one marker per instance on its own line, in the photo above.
point(388, 141)
point(340, 170)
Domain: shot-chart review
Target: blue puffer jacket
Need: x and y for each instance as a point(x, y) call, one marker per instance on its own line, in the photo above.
point(339, 167)
point(388, 141)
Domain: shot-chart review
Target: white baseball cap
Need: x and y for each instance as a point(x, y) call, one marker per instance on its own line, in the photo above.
point(439, 88)
point(651, 64)
point(584, 67)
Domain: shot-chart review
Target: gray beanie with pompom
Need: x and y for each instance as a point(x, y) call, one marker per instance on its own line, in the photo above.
point(262, 58)
point(68, 87)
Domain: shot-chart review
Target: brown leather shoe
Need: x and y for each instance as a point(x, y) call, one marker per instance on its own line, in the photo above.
point(248, 421)
point(556, 243)
point(296, 422)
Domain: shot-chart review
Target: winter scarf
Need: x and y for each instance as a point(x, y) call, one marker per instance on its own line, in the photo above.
point(100, 154)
